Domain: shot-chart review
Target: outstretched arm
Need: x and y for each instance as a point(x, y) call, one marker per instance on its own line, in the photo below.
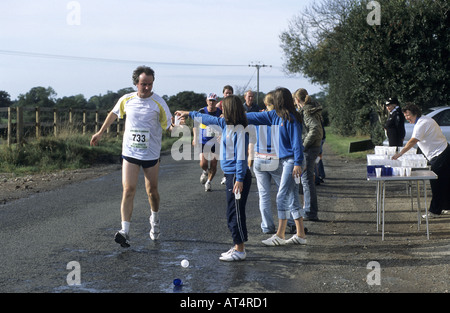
point(108, 121)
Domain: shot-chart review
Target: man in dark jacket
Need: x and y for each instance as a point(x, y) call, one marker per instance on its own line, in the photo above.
point(395, 124)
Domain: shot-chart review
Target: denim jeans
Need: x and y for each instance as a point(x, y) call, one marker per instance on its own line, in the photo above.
point(288, 203)
point(309, 187)
point(265, 171)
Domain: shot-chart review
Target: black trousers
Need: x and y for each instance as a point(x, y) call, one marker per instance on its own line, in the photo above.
point(236, 217)
point(440, 188)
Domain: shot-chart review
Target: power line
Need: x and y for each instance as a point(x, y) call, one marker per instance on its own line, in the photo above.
point(80, 58)
point(245, 88)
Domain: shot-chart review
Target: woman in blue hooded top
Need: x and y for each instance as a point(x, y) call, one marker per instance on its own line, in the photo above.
point(233, 160)
point(290, 152)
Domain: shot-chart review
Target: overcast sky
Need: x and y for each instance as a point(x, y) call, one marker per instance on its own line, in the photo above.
point(90, 47)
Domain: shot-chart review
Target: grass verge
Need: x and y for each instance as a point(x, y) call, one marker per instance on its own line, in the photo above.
point(48, 154)
point(340, 144)
point(72, 151)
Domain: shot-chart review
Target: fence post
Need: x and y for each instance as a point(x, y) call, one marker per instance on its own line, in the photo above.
point(38, 124)
point(96, 121)
point(118, 127)
point(9, 137)
point(19, 125)
point(71, 119)
point(55, 122)
point(109, 127)
point(84, 122)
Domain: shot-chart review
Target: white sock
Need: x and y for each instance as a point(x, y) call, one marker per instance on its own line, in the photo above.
point(126, 226)
point(155, 216)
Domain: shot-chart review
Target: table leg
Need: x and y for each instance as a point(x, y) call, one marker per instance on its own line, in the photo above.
point(382, 226)
point(419, 209)
point(378, 203)
point(426, 207)
point(411, 195)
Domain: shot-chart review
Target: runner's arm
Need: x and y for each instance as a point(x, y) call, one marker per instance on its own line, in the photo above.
point(108, 121)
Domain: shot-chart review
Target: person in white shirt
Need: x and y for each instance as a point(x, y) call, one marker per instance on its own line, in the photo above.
point(429, 137)
point(147, 116)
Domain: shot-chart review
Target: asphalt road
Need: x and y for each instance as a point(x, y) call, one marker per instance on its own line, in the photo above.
point(41, 235)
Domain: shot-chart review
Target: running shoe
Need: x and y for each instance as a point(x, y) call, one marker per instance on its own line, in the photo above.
point(274, 241)
point(122, 238)
point(208, 186)
point(228, 252)
point(223, 181)
point(233, 255)
point(154, 231)
point(296, 240)
point(203, 177)
point(431, 215)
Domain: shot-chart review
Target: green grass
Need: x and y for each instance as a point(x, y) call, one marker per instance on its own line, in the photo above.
point(48, 154)
point(66, 151)
point(340, 144)
point(73, 151)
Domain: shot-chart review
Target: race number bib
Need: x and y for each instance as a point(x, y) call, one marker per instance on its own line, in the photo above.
point(138, 139)
point(209, 132)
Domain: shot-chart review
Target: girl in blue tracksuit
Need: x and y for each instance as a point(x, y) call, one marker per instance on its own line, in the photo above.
point(290, 152)
point(233, 160)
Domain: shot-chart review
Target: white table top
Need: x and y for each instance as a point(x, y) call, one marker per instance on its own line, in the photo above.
point(415, 175)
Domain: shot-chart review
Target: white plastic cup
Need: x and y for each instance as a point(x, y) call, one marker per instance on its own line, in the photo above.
point(378, 171)
point(402, 171)
point(237, 195)
point(408, 171)
point(297, 179)
point(177, 120)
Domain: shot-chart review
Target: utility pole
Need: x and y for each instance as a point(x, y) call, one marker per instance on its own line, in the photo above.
point(258, 66)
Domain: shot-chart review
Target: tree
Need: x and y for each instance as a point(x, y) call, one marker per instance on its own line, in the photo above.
point(5, 99)
point(107, 102)
point(362, 65)
point(38, 97)
point(186, 100)
point(74, 102)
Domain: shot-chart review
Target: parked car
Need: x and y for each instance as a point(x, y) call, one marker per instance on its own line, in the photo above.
point(440, 114)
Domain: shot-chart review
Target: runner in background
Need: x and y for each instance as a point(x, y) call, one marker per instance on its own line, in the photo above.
point(204, 136)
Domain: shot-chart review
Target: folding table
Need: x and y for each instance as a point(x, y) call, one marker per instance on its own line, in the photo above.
point(416, 175)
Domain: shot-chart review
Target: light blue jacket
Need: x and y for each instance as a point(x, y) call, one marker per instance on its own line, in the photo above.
point(233, 147)
point(290, 134)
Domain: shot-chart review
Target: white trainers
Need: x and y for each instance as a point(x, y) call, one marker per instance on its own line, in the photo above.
point(296, 240)
point(203, 177)
point(274, 241)
point(208, 186)
point(154, 231)
point(228, 252)
point(431, 215)
point(233, 255)
point(223, 181)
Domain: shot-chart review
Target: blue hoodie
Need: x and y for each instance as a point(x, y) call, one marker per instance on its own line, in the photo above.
point(233, 158)
point(290, 134)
